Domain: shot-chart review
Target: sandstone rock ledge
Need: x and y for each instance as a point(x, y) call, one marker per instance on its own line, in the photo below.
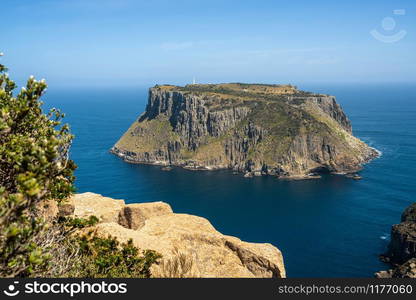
point(154, 226)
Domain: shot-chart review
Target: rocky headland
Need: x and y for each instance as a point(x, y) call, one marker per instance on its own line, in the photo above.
point(255, 129)
point(401, 252)
point(190, 246)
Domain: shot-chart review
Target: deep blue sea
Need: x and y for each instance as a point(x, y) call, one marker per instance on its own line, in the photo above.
point(331, 227)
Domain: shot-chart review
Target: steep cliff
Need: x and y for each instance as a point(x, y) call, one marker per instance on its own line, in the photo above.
point(401, 252)
point(251, 128)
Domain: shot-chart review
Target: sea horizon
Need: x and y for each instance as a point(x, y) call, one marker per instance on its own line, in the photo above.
point(344, 224)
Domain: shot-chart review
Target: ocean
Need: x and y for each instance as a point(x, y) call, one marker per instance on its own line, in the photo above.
point(329, 227)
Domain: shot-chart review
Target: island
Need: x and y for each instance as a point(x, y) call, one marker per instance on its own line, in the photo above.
point(253, 129)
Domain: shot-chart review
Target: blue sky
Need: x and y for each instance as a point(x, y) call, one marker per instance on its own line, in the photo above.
point(141, 43)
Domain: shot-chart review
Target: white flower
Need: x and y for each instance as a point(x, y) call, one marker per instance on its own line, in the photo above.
point(1, 53)
point(31, 77)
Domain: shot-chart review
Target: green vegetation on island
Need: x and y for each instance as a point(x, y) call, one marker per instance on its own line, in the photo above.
point(256, 129)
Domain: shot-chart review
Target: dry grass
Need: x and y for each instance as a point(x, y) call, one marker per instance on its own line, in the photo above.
point(180, 265)
point(148, 135)
point(64, 255)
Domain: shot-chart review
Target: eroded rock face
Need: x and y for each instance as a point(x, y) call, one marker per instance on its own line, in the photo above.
point(402, 246)
point(104, 208)
point(401, 251)
point(133, 216)
point(154, 226)
point(267, 129)
point(406, 270)
point(409, 214)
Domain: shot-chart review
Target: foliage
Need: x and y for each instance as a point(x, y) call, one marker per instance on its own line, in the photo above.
point(78, 252)
point(256, 92)
point(77, 223)
point(34, 166)
point(180, 265)
point(107, 257)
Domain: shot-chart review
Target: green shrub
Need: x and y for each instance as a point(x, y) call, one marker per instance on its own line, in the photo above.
point(78, 252)
point(34, 166)
point(107, 257)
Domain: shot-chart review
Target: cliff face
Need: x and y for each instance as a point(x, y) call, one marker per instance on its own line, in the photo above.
point(189, 241)
point(255, 129)
point(401, 251)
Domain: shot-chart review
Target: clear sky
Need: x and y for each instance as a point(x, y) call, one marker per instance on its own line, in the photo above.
point(127, 42)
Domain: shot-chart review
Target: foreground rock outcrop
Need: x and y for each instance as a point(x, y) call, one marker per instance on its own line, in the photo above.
point(251, 128)
point(401, 251)
point(181, 239)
